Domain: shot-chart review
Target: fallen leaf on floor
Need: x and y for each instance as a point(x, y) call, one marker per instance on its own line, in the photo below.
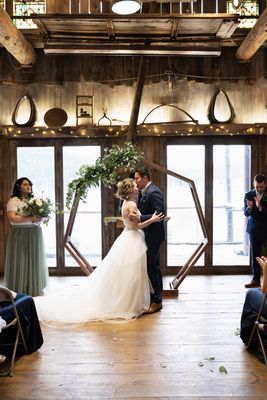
point(222, 370)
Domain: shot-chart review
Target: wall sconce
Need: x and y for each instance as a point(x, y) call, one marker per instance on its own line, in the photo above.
point(124, 7)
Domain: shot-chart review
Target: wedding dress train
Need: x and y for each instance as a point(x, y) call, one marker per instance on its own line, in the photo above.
point(117, 289)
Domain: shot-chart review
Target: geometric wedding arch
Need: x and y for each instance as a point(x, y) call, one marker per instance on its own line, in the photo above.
point(183, 272)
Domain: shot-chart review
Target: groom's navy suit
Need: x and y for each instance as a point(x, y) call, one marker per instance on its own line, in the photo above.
point(256, 229)
point(150, 201)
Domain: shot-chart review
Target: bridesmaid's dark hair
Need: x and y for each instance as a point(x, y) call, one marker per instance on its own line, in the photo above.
point(16, 189)
point(125, 188)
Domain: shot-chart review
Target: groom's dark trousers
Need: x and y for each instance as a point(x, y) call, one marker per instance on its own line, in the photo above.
point(152, 200)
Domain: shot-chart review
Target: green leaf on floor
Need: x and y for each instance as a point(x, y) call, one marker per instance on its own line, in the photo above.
point(222, 370)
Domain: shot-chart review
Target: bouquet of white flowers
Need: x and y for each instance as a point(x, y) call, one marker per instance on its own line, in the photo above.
point(40, 207)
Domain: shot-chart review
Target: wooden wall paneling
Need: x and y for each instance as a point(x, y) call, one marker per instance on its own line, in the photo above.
point(152, 7)
point(175, 8)
point(152, 70)
point(209, 6)
point(84, 6)
point(50, 6)
point(62, 7)
point(257, 67)
point(129, 70)
point(116, 70)
point(106, 7)
point(75, 6)
point(9, 7)
point(91, 70)
point(262, 5)
point(221, 6)
point(94, 7)
point(71, 69)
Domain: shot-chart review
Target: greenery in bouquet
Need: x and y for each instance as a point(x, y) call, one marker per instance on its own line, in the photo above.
point(107, 169)
point(40, 207)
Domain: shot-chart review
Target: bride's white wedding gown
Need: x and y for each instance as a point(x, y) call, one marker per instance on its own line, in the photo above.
point(117, 289)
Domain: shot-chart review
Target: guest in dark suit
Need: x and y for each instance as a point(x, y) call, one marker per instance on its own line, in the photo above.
point(255, 209)
point(151, 200)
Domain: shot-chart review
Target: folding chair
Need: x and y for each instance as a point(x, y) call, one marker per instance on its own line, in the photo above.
point(6, 296)
point(259, 320)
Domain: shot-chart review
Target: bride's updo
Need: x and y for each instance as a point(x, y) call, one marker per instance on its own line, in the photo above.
point(125, 188)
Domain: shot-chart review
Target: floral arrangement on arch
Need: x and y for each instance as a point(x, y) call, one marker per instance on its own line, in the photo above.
point(107, 169)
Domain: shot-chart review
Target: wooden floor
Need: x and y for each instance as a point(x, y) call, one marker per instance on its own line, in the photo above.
point(174, 354)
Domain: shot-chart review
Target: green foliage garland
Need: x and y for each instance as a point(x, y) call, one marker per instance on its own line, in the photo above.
point(106, 169)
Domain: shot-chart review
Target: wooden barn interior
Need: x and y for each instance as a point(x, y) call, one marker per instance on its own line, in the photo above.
point(185, 82)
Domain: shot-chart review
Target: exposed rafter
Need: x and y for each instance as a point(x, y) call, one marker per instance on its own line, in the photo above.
point(254, 40)
point(13, 40)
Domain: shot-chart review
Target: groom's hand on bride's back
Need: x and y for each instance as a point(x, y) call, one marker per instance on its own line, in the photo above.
point(134, 216)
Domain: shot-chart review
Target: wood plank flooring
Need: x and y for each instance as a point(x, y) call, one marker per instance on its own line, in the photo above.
point(173, 354)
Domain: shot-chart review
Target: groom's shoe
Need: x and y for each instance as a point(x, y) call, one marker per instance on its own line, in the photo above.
point(154, 307)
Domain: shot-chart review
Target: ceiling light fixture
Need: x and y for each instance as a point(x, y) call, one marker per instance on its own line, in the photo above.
point(125, 7)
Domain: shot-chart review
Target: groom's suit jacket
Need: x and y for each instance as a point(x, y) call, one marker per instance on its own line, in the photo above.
point(150, 201)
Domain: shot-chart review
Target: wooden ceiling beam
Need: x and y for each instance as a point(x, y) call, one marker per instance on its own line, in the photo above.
point(13, 40)
point(254, 39)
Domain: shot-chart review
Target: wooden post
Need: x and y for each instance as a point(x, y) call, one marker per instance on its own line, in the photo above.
point(254, 39)
point(131, 133)
point(13, 40)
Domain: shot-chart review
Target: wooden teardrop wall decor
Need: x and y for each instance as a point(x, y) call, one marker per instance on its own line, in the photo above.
point(220, 96)
point(24, 113)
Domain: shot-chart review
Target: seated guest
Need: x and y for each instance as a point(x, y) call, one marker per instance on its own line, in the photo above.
point(252, 305)
point(28, 318)
point(2, 325)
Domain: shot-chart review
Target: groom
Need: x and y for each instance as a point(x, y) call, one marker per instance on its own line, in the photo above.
point(150, 200)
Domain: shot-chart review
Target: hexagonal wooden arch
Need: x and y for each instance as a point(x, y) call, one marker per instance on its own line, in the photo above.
point(183, 272)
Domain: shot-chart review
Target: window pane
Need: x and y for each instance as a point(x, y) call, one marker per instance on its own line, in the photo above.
point(37, 164)
point(86, 233)
point(184, 230)
point(231, 181)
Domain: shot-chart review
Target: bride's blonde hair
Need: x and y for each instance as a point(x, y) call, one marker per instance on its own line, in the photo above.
point(125, 188)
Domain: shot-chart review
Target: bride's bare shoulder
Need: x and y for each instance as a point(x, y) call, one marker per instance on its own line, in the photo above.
point(129, 205)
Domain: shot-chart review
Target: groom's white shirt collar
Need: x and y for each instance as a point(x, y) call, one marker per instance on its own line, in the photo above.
point(145, 188)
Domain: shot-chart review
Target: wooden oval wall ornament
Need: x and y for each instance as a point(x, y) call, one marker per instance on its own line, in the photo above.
point(55, 117)
point(212, 106)
point(24, 113)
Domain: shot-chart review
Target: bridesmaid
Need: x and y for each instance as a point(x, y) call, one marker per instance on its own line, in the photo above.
point(25, 265)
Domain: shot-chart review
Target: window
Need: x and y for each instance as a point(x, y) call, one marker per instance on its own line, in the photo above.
point(22, 8)
point(247, 7)
point(37, 164)
point(231, 180)
point(86, 234)
point(184, 230)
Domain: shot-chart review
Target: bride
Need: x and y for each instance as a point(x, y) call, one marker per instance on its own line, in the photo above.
point(119, 287)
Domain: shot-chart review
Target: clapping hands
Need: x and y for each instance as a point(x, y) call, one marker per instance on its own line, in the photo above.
point(262, 262)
